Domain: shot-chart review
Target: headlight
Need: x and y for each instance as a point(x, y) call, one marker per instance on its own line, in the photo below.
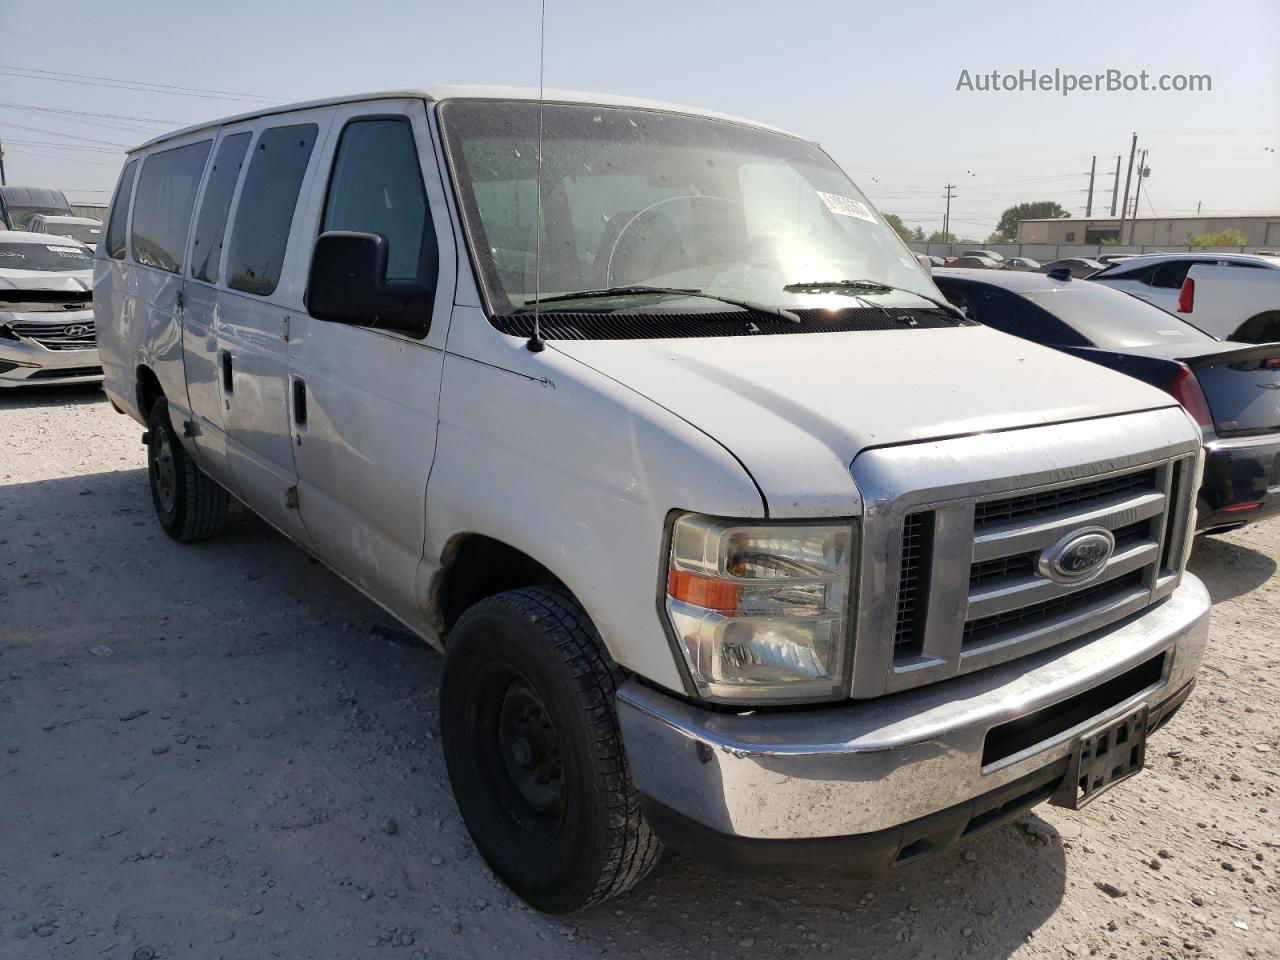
point(761, 611)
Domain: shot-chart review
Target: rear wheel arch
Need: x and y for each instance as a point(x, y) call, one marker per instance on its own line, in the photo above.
point(147, 389)
point(1263, 328)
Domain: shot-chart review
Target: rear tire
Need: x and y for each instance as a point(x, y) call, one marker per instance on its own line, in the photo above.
point(189, 504)
point(534, 753)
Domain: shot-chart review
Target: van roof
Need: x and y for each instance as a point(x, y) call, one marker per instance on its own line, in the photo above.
point(456, 92)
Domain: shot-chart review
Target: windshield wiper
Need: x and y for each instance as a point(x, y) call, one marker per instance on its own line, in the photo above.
point(855, 288)
point(761, 309)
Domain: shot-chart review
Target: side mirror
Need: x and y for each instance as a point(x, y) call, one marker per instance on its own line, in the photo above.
point(348, 284)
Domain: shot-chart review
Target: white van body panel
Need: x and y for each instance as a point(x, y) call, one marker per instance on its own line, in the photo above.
point(524, 434)
point(365, 450)
point(797, 412)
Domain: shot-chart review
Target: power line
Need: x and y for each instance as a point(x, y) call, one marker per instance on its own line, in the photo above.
point(64, 146)
point(69, 136)
point(143, 86)
point(86, 113)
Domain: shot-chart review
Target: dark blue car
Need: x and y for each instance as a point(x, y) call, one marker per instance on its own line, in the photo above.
point(1232, 390)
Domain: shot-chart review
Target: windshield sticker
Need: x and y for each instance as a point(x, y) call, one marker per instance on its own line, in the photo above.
point(847, 206)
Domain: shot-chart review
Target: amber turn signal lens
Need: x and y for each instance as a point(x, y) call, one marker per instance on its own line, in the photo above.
point(702, 591)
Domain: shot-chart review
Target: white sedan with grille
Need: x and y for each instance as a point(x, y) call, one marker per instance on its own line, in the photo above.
point(46, 311)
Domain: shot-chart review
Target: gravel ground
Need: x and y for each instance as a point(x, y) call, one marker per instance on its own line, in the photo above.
point(222, 751)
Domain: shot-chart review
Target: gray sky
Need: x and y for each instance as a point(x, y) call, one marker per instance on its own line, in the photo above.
point(874, 82)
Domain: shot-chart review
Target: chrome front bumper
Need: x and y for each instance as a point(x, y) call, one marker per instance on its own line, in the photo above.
point(869, 766)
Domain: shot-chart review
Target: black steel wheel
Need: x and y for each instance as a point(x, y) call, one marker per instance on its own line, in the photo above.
point(188, 503)
point(534, 753)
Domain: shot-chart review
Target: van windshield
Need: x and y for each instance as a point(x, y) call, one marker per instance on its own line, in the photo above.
point(634, 197)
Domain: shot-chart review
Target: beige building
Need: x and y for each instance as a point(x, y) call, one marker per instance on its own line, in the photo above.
point(1259, 231)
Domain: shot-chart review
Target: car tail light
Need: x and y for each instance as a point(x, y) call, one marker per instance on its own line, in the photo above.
point(1187, 296)
point(1186, 390)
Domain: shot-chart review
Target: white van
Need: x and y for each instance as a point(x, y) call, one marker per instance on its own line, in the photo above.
point(734, 534)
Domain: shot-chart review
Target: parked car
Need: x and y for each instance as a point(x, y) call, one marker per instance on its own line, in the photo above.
point(1232, 296)
point(19, 204)
point(1078, 267)
point(989, 254)
point(976, 262)
point(82, 229)
point(699, 449)
point(46, 311)
point(1021, 263)
point(1232, 392)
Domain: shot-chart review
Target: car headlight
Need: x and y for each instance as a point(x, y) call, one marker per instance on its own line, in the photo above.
point(761, 610)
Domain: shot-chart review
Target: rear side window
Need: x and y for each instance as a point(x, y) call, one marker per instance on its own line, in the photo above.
point(206, 249)
point(376, 187)
point(118, 218)
point(166, 195)
point(1170, 275)
point(1010, 313)
point(264, 214)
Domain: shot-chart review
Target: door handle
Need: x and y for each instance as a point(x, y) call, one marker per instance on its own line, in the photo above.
point(228, 385)
point(299, 401)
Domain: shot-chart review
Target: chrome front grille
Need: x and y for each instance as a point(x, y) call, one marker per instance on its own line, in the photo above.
point(65, 334)
point(1023, 603)
point(1031, 505)
point(954, 567)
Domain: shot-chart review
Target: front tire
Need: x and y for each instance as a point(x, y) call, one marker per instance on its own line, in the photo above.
point(534, 753)
point(189, 504)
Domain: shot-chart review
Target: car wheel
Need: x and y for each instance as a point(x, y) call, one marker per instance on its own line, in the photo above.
point(534, 753)
point(188, 503)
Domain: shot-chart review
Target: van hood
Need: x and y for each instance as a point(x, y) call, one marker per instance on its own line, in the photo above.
point(796, 409)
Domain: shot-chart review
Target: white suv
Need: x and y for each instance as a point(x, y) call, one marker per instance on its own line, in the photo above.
point(734, 534)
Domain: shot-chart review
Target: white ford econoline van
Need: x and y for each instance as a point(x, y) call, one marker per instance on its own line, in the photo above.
point(734, 535)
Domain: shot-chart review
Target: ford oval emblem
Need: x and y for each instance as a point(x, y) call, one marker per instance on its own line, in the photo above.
point(1079, 556)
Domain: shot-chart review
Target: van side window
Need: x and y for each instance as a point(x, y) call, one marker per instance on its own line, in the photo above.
point(264, 214)
point(376, 187)
point(166, 195)
point(118, 218)
point(211, 225)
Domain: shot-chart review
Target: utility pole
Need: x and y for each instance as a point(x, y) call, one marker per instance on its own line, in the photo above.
point(1124, 207)
point(1137, 193)
point(946, 219)
point(1198, 202)
point(1115, 187)
point(2, 179)
point(1088, 206)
